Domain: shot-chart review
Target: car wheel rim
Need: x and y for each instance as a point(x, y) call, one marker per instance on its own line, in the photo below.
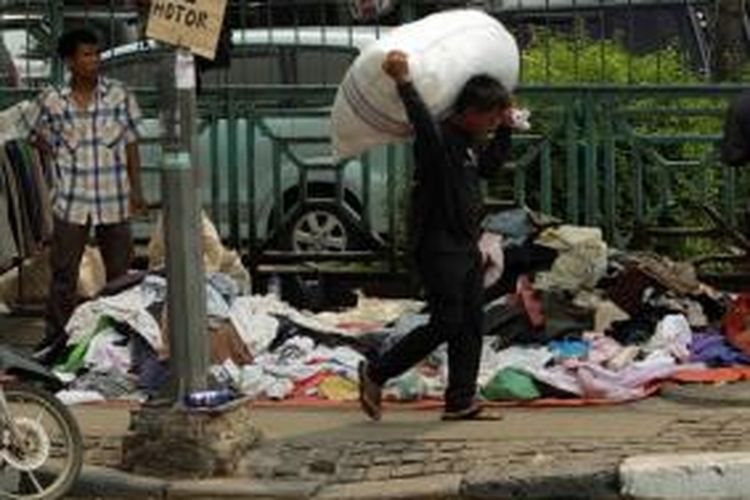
point(319, 231)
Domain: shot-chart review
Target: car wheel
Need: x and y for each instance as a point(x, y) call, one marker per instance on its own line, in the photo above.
point(319, 230)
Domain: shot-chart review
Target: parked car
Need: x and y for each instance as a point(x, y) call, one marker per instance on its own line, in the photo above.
point(280, 57)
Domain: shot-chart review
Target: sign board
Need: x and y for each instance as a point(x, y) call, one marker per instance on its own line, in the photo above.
point(193, 24)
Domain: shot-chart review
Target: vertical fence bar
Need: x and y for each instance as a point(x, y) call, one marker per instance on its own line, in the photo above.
point(57, 25)
point(304, 185)
point(578, 29)
point(547, 43)
point(602, 43)
point(519, 184)
point(729, 178)
point(391, 202)
point(571, 142)
point(323, 38)
point(665, 184)
point(704, 183)
point(339, 187)
point(215, 169)
point(277, 187)
point(546, 177)
point(591, 184)
point(112, 25)
point(243, 17)
point(638, 197)
point(251, 219)
point(27, 35)
point(408, 11)
point(233, 174)
point(658, 58)
point(610, 178)
point(631, 31)
point(366, 191)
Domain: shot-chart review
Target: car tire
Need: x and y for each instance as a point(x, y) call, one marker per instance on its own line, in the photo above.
point(317, 230)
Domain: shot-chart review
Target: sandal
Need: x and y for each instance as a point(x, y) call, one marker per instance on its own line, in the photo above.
point(471, 412)
point(370, 394)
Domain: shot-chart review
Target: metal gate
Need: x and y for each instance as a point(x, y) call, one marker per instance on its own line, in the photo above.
point(625, 119)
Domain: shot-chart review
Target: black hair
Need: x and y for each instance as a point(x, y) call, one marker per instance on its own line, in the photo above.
point(483, 93)
point(71, 40)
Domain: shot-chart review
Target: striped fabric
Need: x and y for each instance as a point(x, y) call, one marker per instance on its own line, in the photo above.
point(369, 113)
point(87, 150)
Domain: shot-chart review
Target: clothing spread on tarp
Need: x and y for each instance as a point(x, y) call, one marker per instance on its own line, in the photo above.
point(573, 330)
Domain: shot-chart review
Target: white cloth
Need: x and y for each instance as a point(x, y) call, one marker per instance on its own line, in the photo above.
point(70, 398)
point(580, 266)
point(519, 357)
point(256, 384)
point(257, 331)
point(673, 335)
point(13, 124)
point(104, 355)
point(127, 307)
point(271, 305)
point(493, 257)
point(275, 374)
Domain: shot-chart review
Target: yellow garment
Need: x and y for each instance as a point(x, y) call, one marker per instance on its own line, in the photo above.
point(372, 309)
point(337, 388)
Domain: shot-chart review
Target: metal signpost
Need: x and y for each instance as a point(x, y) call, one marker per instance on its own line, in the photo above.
point(191, 25)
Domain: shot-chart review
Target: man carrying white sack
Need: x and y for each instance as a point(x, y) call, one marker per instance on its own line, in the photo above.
point(446, 213)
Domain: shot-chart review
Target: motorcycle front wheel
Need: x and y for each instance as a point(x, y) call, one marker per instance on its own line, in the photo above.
point(47, 459)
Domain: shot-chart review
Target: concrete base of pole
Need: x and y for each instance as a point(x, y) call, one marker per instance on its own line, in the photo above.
point(185, 443)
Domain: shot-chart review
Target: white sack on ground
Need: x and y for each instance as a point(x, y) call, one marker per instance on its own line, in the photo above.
point(445, 50)
point(216, 258)
point(37, 275)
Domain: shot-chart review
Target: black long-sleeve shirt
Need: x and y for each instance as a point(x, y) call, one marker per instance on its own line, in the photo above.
point(447, 200)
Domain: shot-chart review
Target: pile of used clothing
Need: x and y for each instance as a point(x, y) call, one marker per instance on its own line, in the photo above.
point(565, 317)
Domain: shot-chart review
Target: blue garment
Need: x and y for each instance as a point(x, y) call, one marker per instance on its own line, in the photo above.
point(713, 349)
point(569, 348)
point(514, 225)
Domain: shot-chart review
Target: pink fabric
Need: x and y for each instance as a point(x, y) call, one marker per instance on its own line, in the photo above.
point(493, 257)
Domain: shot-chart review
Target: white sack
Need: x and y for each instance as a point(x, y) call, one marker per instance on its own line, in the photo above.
point(445, 50)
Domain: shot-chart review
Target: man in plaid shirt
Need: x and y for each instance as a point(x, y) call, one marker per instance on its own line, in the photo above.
point(89, 130)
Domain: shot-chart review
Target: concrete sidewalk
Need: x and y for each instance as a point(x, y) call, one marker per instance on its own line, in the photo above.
point(531, 453)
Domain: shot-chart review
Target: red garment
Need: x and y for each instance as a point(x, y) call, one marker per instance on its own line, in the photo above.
point(736, 323)
point(530, 300)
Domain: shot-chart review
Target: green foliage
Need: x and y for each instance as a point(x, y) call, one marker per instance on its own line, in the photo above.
point(555, 58)
point(678, 172)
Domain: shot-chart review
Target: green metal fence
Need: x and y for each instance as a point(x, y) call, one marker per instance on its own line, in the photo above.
point(626, 121)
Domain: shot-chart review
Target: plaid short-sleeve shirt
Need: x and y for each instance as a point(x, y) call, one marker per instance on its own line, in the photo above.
point(88, 150)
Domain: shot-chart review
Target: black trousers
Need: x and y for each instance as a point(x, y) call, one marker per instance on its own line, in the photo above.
point(68, 243)
point(453, 282)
